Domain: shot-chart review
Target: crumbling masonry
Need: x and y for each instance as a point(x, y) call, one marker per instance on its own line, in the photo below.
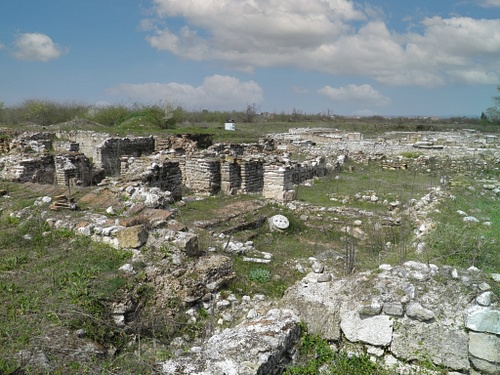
point(86, 158)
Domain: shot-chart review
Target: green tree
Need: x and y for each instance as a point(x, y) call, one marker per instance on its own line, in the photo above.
point(110, 115)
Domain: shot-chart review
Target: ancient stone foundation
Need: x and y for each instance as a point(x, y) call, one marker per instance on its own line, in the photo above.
point(85, 158)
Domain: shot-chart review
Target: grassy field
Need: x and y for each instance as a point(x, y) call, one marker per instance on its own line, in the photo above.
point(51, 281)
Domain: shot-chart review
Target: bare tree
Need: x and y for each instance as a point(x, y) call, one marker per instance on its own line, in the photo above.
point(250, 113)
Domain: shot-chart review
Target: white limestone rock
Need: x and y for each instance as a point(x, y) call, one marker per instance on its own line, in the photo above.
point(416, 311)
point(414, 340)
point(375, 330)
point(480, 319)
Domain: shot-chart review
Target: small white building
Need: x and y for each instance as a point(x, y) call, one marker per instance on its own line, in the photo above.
point(230, 125)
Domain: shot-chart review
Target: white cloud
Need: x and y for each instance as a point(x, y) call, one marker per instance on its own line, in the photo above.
point(36, 47)
point(217, 92)
point(333, 36)
point(255, 32)
point(2, 46)
point(489, 3)
point(358, 94)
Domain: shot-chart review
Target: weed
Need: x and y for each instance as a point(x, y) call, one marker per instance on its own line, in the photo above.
point(261, 275)
point(64, 286)
point(316, 356)
point(203, 313)
point(8, 366)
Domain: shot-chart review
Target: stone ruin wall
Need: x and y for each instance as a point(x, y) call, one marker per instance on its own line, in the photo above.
point(230, 177)
point(109, 153)
point(103, 150)
point(73, 169)
point(88, 141)
point(210, 175)
point(227, 169)
point(38, 170)
point(165, 174)
point(202, 175)
point(207, 173)
point(274, 179)
point(252, 176)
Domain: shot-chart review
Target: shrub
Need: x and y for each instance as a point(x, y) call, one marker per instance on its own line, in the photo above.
point(109, 116)
point(42, 112)
point(317, 357)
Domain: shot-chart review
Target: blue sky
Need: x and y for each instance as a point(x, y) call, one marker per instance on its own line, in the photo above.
point(384, 57)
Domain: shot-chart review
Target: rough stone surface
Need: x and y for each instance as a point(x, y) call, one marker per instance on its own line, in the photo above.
point(393, 308)
point(484, 367)
point(187, 242)
point(483, 320)
point(132, 237)
point(485, 347)
point(320, 314)
point(371, 309)
point(431, 330)
point(375, 330)
point(256, 347)
point(417, 341)
point(415, 310)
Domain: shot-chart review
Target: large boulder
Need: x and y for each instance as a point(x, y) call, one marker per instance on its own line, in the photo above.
point(317, 304)
point(187, 242)
point(190, 281)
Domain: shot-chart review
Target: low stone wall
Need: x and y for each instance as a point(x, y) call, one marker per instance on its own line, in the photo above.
point(32, 142)
point(25, 169)
point(278, 182)
point(168, 177)
point(405, 314)
point(279, 178)
point(164, 174)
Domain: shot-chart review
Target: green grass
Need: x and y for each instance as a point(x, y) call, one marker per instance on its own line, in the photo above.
point(462, 244)
point(206, 208)
point(316, 356)
point(390, 185)
point(54, 280)
point(260, 274)
point(321, 234)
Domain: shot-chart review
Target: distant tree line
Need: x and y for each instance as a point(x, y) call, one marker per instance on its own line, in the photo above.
point(163, 115)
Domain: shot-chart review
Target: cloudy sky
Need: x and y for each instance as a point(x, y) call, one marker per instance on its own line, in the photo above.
point(386, 57)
